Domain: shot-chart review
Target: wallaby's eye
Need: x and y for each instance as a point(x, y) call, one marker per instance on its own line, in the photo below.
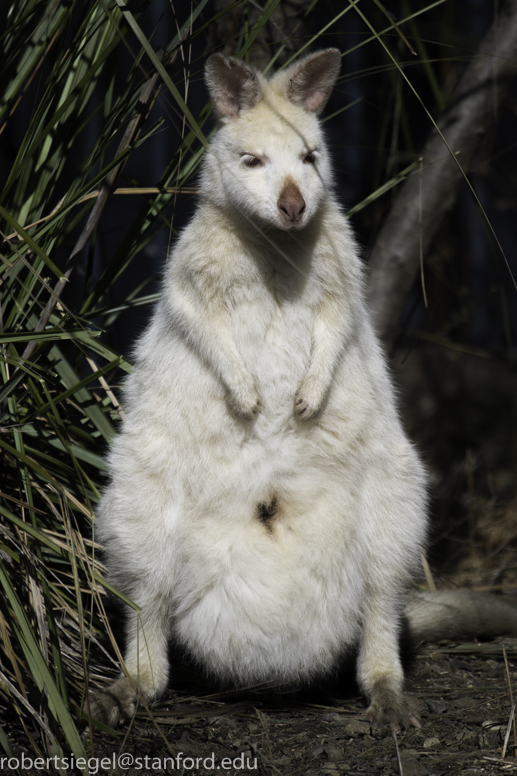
point(251, 161)
point(311, 157)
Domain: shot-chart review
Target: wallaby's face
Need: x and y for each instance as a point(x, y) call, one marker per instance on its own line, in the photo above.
point(269, 159)
point(273, 169)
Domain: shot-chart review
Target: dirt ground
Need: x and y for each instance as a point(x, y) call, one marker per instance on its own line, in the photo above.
point(463, 693)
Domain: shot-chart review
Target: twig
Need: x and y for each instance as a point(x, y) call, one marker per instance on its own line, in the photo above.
point(428, 573)
point(107, 389)
point(512, 716)
point(399, 761)
point(507, 765)
point(421, 245)
point(508, 730)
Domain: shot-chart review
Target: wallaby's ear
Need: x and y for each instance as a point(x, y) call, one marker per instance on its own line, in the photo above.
point(313, 79)
point(233, 86)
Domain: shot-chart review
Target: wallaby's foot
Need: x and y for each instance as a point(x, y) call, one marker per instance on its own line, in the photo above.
point(391, 708)
point(116, 704)
point(245, 402)
point(308, 398)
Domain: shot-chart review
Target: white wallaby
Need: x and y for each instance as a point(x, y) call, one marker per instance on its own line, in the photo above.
point(266, 510)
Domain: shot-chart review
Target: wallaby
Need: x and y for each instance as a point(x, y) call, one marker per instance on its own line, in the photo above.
point(266, 510)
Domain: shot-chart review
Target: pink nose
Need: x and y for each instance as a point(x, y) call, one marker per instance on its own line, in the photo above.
point(290, 203)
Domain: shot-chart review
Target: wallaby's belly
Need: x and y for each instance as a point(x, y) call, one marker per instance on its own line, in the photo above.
point(265, 558)
point(265, 595)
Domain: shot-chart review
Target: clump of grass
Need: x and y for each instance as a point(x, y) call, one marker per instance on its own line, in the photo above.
point(58, 412)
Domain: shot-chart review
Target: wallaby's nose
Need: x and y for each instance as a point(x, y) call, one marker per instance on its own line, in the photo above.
point(290, 203)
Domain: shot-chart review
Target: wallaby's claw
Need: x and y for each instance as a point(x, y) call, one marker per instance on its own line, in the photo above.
point(246, 404)
point(115, 705)
point(393, 709)
point(309, 398)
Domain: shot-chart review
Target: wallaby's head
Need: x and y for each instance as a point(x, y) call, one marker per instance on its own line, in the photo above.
point(268, 160)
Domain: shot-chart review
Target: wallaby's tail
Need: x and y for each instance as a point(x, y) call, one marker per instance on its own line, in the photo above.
point(459, 614)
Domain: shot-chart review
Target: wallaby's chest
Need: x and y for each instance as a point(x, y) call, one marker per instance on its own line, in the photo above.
point(273, 337)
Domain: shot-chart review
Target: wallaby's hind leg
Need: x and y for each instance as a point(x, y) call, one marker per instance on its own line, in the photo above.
point(146, 665)
point(379, 667)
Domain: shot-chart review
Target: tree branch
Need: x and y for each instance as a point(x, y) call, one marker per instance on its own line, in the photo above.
point(425, 197)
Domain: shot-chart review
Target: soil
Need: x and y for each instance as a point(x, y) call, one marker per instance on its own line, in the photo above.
point(464, 696)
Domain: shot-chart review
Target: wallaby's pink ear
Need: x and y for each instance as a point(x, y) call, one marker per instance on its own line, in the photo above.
point(313, 79)
point(233, 86)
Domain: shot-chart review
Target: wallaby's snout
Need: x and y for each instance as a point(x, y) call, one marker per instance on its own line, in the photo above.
point(290, 203)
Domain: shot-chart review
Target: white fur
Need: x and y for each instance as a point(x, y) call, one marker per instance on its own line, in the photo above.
point(260, 378)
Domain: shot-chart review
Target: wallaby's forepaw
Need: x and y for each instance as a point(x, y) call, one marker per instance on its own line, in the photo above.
point(114, 705)
point(245, 402)
point(309, 398)
point(393, 709)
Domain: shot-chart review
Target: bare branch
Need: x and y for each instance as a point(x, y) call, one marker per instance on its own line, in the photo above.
point(395, 258)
